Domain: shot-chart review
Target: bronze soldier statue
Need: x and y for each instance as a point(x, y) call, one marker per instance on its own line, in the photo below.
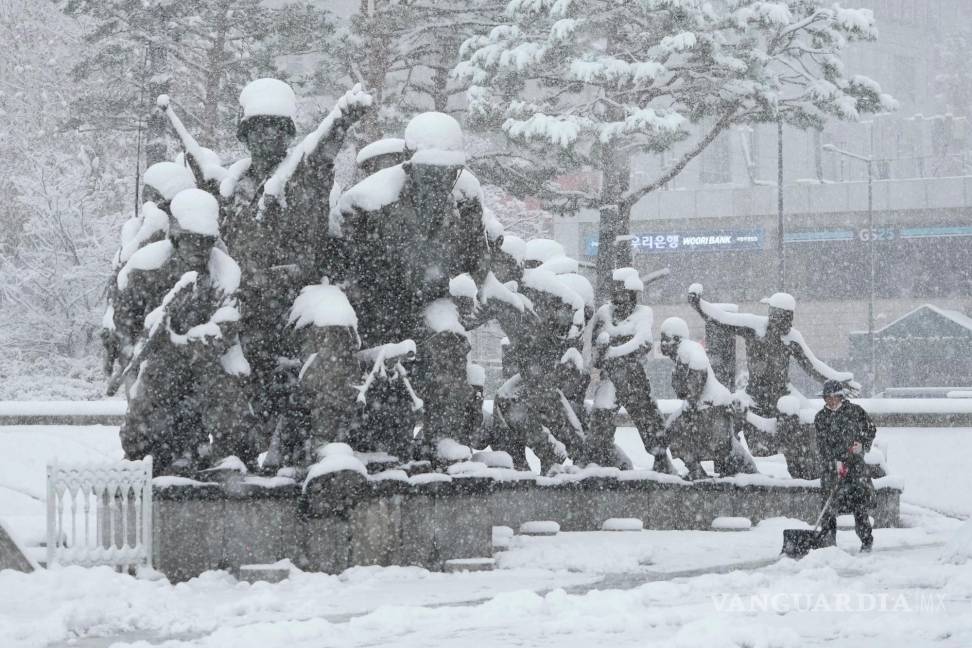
point(163, 180)
point(275, 222)
point(188, 360)
point(703, 428)
point(622, 341)
point(531, 408)
point(413, 230)
point(771, 342)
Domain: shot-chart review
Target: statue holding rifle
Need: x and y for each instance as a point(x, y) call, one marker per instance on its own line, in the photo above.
point(188, 363)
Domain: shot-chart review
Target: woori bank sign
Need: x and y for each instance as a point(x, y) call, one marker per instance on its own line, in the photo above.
point(693, 241)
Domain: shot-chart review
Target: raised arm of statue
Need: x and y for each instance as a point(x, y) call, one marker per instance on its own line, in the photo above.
point(813, 366)
point(301, 173)
point(203, 163)
point(742, 324)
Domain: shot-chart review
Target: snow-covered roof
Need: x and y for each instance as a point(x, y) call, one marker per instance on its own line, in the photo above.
point(269, 97)
point(387, 146)
point(956, 317)
point(629, 277)
point(169, 178)
point(196, 211)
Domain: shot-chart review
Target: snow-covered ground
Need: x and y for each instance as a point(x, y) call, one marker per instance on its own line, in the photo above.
point(644, 588)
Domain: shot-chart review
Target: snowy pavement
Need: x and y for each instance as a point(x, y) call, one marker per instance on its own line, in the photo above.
point(672, 588)
point(575, 589)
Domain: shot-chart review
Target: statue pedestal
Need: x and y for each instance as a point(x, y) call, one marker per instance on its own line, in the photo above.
point(345, 519)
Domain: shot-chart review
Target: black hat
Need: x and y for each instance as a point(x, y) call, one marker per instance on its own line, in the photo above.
point(833, 388)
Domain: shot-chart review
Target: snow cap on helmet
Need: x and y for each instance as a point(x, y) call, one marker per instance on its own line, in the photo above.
point(560, 265)
point(195, 212)
point(378, 148)
point(580, 285)
point(545, 281)
point(781, 300)
point(675, 327)
point(630, 278)
point(539, 250)
point(435, 138)
point(268, 98)
point(169, 178)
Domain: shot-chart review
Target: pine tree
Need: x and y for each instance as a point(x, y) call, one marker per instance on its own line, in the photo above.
point(577, 84)
point(201, 53)
point(404, 52)
point(63, 193)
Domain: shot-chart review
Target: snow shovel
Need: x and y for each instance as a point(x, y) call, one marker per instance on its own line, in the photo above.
point(797, 543)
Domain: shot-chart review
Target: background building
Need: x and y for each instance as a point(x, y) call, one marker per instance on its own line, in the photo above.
point(718, 224)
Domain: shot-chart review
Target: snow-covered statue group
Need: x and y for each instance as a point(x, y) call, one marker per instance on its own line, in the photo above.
point(254, 319)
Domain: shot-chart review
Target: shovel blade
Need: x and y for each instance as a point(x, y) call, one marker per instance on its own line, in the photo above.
point(797, 543)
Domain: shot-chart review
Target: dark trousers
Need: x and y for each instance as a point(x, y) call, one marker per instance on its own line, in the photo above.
point(862, 523)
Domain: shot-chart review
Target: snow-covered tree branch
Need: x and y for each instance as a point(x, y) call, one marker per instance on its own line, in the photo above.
point(601, 81)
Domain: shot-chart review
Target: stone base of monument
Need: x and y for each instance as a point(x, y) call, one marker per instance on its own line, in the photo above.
point(622, 524)
point(731, 524)
point(469, 565)
point(539, 528)
point(275, 573)
point(345, 518)
point(502, 536)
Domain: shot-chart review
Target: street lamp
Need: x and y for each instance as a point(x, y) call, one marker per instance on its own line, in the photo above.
point(830, 148)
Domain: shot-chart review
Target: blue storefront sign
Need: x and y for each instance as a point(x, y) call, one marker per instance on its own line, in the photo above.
point(881, 233)
point(692, 241)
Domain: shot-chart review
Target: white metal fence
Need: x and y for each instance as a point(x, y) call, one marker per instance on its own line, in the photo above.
point(100, 513)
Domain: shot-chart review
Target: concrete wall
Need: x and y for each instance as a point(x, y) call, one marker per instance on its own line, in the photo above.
point(345, 519)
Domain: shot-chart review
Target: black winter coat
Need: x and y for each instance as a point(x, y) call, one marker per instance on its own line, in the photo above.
point(837, 430)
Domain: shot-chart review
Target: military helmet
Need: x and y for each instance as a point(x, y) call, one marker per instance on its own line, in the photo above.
point(195, 212)
point(267, 100)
